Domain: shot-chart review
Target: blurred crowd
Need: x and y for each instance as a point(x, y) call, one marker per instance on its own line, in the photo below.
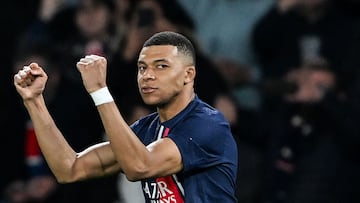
point(285, 73)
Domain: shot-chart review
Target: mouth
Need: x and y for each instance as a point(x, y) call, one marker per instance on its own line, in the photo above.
point(147, 90)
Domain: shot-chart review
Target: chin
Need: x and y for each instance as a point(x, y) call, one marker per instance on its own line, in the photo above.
point(150, 101)
point(157, 101)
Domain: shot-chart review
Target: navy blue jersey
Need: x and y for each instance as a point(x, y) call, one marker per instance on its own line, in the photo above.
point(208, 151)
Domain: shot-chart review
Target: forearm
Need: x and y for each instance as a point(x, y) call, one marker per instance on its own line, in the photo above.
point(130, 152)
point(57, 152)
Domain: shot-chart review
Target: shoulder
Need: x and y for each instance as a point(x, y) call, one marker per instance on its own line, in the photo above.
point(205, 130)
point(145, 121)
point(205, 113)
point(203, 121)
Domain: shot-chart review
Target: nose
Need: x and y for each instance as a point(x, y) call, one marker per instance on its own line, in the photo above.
point(148, 74)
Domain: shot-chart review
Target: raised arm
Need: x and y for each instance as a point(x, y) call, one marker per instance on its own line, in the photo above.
point(137, 161)
point(65, 163)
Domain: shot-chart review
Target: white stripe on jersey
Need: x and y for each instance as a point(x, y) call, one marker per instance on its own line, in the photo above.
point(178, 183)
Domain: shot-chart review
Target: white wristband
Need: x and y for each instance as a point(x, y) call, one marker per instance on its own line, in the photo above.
point(101, 96)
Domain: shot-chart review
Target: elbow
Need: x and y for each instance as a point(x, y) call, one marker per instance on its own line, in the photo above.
point(134, 174)
point(69, 177)
point(132, 178)
point(65, 179)
point(62, 180)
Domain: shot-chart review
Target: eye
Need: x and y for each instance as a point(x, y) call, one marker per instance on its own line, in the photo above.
point(141, 68)
point(162, 66)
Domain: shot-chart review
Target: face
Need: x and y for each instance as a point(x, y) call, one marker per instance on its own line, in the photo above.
point(162, 73)
point(156, 20)
point(92, 19)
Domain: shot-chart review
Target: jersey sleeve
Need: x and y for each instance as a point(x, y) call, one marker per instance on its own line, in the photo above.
point(202, 141)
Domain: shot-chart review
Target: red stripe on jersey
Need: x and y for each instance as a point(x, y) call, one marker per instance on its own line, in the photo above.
point(168, 190)
point(166, 132)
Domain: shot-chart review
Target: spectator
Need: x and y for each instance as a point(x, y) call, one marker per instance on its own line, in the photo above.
point(32, 181)
point(16, 17)
point(306, 134)
point(231, 49)
point(296, 32)
point(85, 122)
point(76, 29)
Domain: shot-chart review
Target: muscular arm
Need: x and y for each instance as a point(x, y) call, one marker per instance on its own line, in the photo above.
point(65, 163)
point(137, 161)
point(158, 159)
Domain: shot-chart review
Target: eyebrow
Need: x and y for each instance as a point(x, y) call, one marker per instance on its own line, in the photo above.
point(155, 61)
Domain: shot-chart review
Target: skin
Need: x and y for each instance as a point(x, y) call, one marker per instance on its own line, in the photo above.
point(311, 84)
point(165, 79)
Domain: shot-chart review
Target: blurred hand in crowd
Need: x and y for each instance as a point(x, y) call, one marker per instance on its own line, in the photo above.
point(312, 83)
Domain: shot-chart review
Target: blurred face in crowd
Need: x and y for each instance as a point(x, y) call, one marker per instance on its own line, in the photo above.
point(122, 6)
point(149, 14)
point(93, 18)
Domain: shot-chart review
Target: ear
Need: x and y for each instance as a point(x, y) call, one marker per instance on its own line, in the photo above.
point(190, 73)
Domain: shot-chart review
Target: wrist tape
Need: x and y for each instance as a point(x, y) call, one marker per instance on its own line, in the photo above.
point(101, 96)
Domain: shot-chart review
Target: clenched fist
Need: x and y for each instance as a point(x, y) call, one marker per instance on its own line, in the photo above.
point(30, 81)
point(93, 72)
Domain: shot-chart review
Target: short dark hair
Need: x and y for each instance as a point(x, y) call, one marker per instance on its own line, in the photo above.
point(182, 43)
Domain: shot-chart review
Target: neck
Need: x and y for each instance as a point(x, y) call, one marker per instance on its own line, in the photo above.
point(172, 108)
